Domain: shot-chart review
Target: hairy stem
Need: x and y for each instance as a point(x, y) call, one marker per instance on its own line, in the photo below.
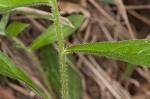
point(36, 62)
point(64, 85)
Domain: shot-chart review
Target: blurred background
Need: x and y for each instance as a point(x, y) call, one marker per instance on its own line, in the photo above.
point(90, 77)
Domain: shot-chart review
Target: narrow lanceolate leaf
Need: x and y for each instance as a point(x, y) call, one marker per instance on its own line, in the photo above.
point(15, 28)
point(9, 68)
point(109, 2)
point(6, 5)
point(3, 23)
point(49, 35)
point(129, 70)
point(51, 65)
point(133, 51)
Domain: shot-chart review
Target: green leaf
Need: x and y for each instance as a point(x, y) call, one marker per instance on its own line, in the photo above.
point(51, 66)
point(109, 2)
point(15, 28)
point(74, 84)
point(129, 70)
point(3, 23)
point(133, 51)
point(49, 35)
point(6, 5)
point(9, 68)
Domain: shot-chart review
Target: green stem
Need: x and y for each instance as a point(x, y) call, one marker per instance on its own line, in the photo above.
point(36, 62)
point(64, 85)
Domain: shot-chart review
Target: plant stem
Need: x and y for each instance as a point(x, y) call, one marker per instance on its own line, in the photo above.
point(64, 85)
point(36, 62)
